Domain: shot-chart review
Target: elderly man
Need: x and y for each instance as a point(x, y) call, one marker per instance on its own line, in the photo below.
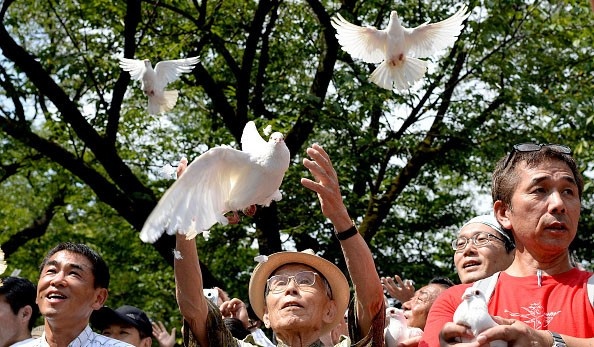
point(482, 249)
point(537, 192)
point(73, 282)
point(300, 296)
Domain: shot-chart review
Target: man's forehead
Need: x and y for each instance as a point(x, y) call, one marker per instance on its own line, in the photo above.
point(67, 258)
point(475, 228)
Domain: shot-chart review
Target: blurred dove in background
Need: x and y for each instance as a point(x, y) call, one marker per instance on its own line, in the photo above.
point(472, 312)
point(398, 48)
point(397, 329)
point(153, 82)
point(221, 180)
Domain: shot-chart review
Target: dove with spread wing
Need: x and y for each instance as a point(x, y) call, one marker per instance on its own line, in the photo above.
point(397, 48)
point(221, 180)
point(397, 329)
point(473, 313)
point(153, 82)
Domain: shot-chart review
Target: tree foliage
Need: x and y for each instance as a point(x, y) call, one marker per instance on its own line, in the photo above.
point(81, 158)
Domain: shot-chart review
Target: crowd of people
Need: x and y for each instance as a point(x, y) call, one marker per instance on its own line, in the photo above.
point(520, 252)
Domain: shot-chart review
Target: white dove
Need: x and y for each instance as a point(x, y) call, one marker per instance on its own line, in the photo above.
point(153, 82)
point(398, 48)
point(472, 312)
point(397, 329)
point(221, 180)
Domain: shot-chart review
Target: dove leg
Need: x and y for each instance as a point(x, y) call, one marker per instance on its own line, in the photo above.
point(233, 218)
point(250, 211)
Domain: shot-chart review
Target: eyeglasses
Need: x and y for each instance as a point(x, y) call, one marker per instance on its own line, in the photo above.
point(534, 147)
point(278, 283)
point(479, 239)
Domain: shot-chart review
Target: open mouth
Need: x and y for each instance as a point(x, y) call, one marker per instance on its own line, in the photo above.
point(471, 264)
point(56, 296)
point(291, 304)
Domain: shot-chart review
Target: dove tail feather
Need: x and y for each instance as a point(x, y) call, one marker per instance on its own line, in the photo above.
point(164, 103)
point(401, 76)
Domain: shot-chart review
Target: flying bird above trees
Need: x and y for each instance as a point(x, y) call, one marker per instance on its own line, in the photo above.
point(397, 48)
point(473, 313)
point(153, 82)
point(221, 180)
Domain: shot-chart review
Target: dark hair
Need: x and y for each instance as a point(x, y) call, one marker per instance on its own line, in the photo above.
point(100, 269)
point(442, 281)
point(235, 326)
point(20, 292)
point(505, 177)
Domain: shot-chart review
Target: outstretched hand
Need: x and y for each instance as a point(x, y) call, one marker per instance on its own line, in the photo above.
point(399, 289)
point(235, 308)
point(327, 187)
point(164, 338)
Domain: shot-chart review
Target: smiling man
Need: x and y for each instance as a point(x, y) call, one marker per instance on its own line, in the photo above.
point(73, 282)
point(541, 299)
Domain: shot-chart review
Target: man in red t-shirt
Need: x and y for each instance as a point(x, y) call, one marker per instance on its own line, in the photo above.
point(541, 299)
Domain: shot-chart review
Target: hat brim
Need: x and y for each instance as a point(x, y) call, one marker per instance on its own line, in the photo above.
point(105, 316)
point(336, 279)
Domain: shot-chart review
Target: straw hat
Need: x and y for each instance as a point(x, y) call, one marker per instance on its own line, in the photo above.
point(338, 283)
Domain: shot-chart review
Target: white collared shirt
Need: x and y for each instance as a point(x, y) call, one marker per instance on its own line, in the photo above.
point(87, 338)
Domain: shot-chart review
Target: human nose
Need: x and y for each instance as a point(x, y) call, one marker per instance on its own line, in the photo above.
point(556, 203)
point(408, 304)
point(291, 285)
point(58, 280)
point(469, 247)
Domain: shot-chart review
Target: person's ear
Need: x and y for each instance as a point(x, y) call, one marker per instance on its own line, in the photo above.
point(330, 312)
point(265, 318)
point(25, 313)
point(501, 211)
point(100, 298)
point(146, 342)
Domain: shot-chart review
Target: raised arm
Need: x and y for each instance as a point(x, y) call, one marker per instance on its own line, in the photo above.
point(368, 288)
point(188, 283)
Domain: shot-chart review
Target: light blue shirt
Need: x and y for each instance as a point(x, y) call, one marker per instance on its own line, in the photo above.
point(87, 338)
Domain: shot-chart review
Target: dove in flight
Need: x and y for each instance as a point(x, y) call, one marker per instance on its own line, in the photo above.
point(221, 180)
point(397, 48)
point(153, 82)
point(397, 329)
point(473, 313)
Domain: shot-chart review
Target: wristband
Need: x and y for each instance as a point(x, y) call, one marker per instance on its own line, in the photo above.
point(347, 234)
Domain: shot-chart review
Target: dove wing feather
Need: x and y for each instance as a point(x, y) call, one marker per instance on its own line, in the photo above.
point(429, 38)
point(198, 199)
point(251, 141)
point(135, 67)
point(168, 71)
point(365, 43)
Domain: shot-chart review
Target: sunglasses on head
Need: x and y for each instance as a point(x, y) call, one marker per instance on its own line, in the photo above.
point(534, 147)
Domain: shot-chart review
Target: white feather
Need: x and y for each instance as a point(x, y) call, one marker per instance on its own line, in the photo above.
point(396, 47)
point(473, 313)
point(153, 82)
point(397, 329)
point(221, 180)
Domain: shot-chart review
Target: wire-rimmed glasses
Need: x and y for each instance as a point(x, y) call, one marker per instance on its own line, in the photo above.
point(278, 283)
point(480, 239)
